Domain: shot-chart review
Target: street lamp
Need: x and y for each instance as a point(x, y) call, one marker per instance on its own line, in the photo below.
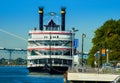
point(98, 52)
point(83, 36)
point(107, 55)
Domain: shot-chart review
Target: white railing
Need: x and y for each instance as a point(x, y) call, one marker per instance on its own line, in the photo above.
point(48, 56)
point(38, 65)
point(35, 65)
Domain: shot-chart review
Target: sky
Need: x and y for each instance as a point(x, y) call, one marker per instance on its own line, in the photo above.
point(17, 17)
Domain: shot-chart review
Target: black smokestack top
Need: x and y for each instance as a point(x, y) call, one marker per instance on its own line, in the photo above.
point(63, 12)
point(41, 18)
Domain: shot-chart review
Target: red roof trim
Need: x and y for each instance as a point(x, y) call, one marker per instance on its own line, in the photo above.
point(50, 33)
point(48, 49)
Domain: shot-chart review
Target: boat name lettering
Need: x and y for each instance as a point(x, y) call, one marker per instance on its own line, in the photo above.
point(51, 37)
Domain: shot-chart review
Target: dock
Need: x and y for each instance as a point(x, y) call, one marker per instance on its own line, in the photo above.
point(93, 78)
point(91, 75)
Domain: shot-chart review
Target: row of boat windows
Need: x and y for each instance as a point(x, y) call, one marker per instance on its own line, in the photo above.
point(50, 52)
point(52, 28)
point(50, 43)
point(53, 61)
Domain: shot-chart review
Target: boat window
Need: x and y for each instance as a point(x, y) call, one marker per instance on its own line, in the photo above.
point(66, 52)
point(57, 61)
point(42, 61)
point(67, 43)
point(50, 60)
point(69, 62)
point(35, 61)
point(64, 61)
point(33, 53)
point(59, 52)
point(50, 52)
point(43, 52)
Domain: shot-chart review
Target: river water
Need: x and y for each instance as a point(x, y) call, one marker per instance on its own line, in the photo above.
point(20, 74)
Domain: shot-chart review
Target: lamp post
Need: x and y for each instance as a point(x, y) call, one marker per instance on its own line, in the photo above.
point(107, 55)
point(83, 36)
point(98, 52)
point(73, 37)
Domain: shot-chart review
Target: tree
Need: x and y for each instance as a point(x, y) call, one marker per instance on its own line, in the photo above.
point(19, 61)
point(106, 37)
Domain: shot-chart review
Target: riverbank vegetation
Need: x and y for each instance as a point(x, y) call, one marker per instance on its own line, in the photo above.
point(106, 37)
point(18, 61)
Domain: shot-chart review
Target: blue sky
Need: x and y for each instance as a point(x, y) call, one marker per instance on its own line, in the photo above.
point(20, 16)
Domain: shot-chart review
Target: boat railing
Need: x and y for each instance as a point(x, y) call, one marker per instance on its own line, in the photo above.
point(67, 31)
point(47, 56)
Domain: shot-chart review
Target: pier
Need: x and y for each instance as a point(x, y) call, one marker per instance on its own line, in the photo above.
point(93, 78)
point(93, 75)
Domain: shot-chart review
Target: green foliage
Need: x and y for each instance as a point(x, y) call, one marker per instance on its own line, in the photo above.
point(107, 36)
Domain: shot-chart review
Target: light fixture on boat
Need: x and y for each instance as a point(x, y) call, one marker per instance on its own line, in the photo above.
point(52, 13)
point(63, 12)
point(41, 18)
